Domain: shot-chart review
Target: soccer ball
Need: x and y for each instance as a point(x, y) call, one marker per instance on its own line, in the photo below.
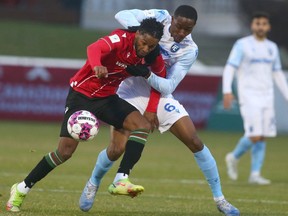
point(82, 125)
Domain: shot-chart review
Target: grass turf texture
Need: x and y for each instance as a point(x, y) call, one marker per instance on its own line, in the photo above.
point(173, 183)
point(45, 40)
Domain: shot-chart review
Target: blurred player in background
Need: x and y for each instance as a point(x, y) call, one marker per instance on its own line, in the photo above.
point(110, 60)
point(256, 61)
point(179, 53)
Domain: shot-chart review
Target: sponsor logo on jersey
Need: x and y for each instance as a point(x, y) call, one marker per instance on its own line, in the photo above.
point(120, 64)
point(174, 48)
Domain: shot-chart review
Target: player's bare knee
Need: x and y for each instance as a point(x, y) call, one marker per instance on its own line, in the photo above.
point(144, 125)
point(66, 147)
point(136, 121)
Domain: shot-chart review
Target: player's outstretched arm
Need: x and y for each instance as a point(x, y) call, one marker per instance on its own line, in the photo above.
point(135, 16)
point(174, 76)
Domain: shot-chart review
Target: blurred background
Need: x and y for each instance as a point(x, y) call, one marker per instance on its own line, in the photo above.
point(43, 44)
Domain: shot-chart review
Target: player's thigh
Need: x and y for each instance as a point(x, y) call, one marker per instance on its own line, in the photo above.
point(252, 120)
point(169, 111)
point(269, 122)
point(135, 120)
point(119, 113)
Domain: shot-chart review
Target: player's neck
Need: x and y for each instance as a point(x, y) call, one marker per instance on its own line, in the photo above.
point(259, 38)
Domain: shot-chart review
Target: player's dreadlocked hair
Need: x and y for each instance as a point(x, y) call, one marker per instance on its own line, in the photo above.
point(152, 27)
point(186, 11)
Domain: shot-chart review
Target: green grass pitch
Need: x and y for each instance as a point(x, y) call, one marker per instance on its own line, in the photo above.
point(173, 183)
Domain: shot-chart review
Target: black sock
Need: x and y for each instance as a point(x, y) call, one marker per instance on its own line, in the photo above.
point(131, 156)
point(39, 172)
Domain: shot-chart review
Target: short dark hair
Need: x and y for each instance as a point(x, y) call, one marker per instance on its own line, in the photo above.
point(152, 27)
point(260, 14)
point(186, 11)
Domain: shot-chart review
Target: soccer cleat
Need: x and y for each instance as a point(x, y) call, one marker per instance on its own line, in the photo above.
point(125, 187)
point(16, 199)
point(254, 179)
point(87, 197)
point(227, 209)
point(231, 163)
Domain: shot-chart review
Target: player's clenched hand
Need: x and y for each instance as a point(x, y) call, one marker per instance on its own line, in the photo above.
point(100, 71)
point(138, 70)
point(227, 100)
point(153, 119)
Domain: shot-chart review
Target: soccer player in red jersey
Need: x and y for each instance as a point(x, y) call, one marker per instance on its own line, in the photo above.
point(179, 52)
point(110, 60)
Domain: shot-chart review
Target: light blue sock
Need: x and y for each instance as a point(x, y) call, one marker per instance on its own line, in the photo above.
point(207, 164)
point(257, 156)
point(103, 164)
point(242, 147)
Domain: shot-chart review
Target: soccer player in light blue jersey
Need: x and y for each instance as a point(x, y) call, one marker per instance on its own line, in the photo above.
point(179, 52)
point(256, 61)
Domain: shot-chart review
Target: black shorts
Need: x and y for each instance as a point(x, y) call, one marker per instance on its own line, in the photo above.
point(111, 110)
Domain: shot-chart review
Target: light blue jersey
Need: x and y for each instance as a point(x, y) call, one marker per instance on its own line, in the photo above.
point(255, 62)
point(178, 57)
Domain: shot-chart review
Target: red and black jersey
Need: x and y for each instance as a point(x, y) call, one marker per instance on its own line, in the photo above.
point(114, 51)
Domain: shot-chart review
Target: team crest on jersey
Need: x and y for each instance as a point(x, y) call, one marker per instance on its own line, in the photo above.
point(114, 38)
point(174, 48)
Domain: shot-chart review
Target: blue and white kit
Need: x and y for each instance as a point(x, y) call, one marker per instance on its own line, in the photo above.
point(256, 63)
point(178, 58)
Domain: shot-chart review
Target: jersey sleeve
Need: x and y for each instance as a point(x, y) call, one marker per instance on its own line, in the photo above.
point(135, 16)
point(158, 67)
point(236, 55)
point(175, 75)
point(102, 47)
point(277, 63)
